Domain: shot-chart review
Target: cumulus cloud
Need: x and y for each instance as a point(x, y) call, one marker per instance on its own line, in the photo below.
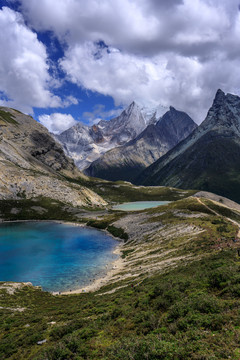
point(174, 52)
point(100, 113)
point(57, 122)
point(24, 77)
point(146, 27)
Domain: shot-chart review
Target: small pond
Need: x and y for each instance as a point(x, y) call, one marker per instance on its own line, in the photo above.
point(139, 205)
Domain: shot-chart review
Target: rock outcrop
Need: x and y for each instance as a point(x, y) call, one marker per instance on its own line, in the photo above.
point(33, 164)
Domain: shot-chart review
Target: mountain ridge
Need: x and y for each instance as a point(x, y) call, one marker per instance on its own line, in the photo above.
point(86, 143)
point(208, 159)
point(124, 163)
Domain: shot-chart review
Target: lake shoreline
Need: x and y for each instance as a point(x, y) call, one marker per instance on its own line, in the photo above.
point(104, 276)
point(103, 280)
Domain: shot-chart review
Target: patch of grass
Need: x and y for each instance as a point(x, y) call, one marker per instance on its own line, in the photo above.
point(117, 232)
point(98, 224)
point(7, 117)
point(121, 191)
point(25, 209)
point(125, 253)
point(105, 224)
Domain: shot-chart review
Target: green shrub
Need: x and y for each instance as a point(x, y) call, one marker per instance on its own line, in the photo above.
point(218, 278)
point(97, 224)
point(118, 232)
point(151, 347)
point(57, 352)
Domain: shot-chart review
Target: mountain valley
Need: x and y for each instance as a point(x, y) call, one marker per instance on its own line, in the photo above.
point(175, 291)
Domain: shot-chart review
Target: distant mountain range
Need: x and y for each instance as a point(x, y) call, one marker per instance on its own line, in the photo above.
point(158, 147)
point(209, 158)
point(87, 143)
point(127, 161)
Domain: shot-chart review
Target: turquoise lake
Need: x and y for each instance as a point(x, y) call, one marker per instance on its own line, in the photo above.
point(58, 257)
point(139, 205)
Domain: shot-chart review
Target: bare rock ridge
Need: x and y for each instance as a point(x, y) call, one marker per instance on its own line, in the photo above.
point(209, 158)
point(33, 164)
point(127, 161)
point(87, 143)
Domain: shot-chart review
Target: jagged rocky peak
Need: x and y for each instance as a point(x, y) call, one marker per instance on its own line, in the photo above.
point(224, 112)
point(86, 143)
point(208, 159)
point(127, 161)
point(126, 126)
point(132, 107)
point(178, 123)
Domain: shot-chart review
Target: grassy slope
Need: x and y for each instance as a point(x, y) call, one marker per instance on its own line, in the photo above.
point(190, 311)
point(121, 191)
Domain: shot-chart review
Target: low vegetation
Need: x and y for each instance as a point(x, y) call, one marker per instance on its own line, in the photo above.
point(189, 313)
point(176, 298)
point(6, 117)
point(122, 191)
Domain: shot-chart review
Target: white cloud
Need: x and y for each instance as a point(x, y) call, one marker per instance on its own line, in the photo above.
point(183, 82)
point(99, 113)
point(69, 100)
point(144, 27)
point(24, 77)
point(174, 52)
point(57, 122)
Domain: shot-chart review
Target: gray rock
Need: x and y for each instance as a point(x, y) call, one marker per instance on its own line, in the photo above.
point(85, 144)
point(33, 164)
point(126, 162)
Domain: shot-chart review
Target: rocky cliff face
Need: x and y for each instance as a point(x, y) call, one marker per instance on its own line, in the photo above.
point(126, 162)
point(209, 159)
point(34, 164)
point(86, 144)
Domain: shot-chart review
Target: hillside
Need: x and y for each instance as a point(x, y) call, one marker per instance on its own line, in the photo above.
point(175, 296)
point(34, 165)
point(209, 158)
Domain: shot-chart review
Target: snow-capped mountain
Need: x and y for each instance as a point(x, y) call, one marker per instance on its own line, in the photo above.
point(152, 115)
point(127, 161)
point(87, 143)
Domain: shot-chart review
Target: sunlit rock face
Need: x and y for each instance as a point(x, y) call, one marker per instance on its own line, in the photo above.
point(33, 163)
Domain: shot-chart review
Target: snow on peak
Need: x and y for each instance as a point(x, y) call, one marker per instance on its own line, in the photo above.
point(153, 114)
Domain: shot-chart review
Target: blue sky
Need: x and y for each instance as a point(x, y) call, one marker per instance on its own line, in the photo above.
point(88, 60)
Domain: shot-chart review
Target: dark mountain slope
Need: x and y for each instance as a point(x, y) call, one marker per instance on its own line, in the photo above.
point(209, 159)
